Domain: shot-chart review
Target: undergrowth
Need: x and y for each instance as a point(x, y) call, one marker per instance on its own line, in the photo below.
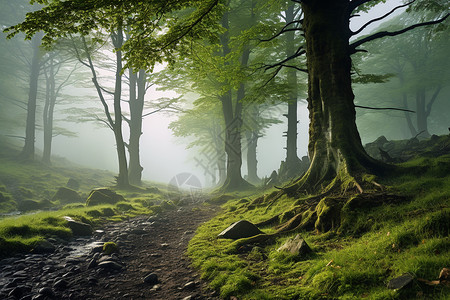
point(353, 261)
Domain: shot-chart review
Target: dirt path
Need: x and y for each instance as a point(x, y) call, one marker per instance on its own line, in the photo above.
point(147, 245)
point(156, 245)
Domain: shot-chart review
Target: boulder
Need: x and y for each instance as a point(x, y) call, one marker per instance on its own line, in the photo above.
point(296, 246)
point(103, 196)
point(78, 228)
point(73, 184)
point(400, 282)
point(43, 247)
point(65, 196)
point(239, 230)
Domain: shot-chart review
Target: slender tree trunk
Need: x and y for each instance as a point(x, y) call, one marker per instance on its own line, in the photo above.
point(136, 104)
point(409, 122)
point(122, 178)
point(49, 107)
point(30, 130)
point(335, 146)
point(233, 123)
point(252, 162)
point(293, 163)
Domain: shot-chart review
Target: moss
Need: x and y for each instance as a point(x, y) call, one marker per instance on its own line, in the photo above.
point(328, 214)
point(110, 248)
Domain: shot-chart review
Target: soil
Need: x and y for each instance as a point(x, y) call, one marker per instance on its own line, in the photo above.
point(163, 253)
point(146, 245)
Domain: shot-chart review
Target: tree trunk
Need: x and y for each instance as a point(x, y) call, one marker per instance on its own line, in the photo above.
point(409, 122)
point(293, 163)
point(30, 129)
point(233, 123)
point(136, 105)
point(122, 178)
point(49, 107)
point(335, 146)
point(252, 163)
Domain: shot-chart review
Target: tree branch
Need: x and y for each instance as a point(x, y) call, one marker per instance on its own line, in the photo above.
point(382, 34)
point(382, 17)
point(355, 4)
point(385, 108)
point(283, 30)
point(298, 53)
point(191, 26)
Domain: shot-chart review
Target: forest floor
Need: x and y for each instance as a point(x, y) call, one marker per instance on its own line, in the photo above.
point(146, 245)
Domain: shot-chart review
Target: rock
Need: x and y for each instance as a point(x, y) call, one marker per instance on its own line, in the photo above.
point(103, 196)
point(187, 298)
point(110, 248)
point(20, 291)
point(400, 282)
point(296, 246)
point(110, 265)
point(240, 229)
point(78, 228)
point(65, 196)
point(151, 278)
point(43, 246)
point(190, 285)
point(73, 184)
point(60, 284)
point(48, 292)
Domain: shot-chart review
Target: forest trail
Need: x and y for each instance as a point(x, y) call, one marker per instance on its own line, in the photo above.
point(147, 245)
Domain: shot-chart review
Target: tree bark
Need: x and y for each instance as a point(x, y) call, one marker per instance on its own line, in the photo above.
point(335, 146)
point(233, 123)
point(136, 104)
point(30, 129)
point(122, 177)
point(293, 163)
point(49, 107)
point(252, 162)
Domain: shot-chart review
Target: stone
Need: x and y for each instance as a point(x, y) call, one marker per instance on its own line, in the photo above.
point(60, 284)
point(296, 246)
point(65, 196)
point(48, 292)
point(151, 278)
point(239, 230)
point(44, 246)
point(103, 196)
point(78, 228)
point(110, 265)
point(73, 184)
point(190, 285)
point(400, 282)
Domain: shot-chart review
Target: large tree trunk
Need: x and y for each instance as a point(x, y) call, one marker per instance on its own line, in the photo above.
point(49, 107)
point(136, 103)
point(122, 177)
point(30, 129)
point(335, 146)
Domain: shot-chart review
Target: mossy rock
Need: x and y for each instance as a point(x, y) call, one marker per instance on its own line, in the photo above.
point(103, 196)
point(124, 206)
point(110, 248)
point(328, 214)
point(65, 196)
point(28, 205)
point(221, 199)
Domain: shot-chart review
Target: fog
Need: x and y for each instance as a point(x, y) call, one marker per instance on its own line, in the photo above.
point(163, 155)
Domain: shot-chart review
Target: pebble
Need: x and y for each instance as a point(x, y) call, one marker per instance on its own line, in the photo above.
point(151, 278)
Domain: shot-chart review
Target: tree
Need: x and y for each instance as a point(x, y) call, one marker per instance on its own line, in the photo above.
point(335, 147)
point(28, 149)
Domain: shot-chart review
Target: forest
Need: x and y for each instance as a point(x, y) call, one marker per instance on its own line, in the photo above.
point(224, 149)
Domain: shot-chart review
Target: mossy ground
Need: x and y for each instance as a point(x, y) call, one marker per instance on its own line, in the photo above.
point(32, 183)
point(355, 260)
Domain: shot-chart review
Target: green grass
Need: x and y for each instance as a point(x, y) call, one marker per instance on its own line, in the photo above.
point(377, 245)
